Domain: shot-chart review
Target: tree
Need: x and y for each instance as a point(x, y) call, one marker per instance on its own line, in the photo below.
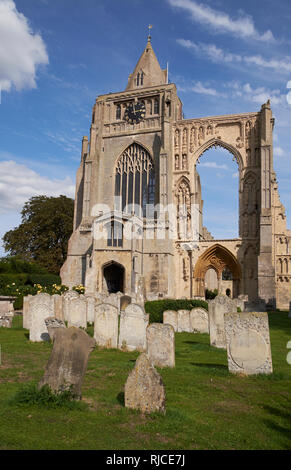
point(42, 236)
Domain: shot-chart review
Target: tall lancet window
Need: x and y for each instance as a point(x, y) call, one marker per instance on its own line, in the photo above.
point(135, 181)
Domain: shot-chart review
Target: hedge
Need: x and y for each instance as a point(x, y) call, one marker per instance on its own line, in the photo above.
point(156, 308)
point(45, 280)
point(17, 279)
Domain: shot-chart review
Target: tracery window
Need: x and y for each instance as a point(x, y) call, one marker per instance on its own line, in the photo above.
point(114, 233)
point(134, 181)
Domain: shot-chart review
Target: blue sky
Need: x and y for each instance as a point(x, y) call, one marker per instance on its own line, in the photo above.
point(57, 56)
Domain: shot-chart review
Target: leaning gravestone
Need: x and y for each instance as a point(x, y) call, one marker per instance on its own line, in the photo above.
point(67, 364)
point(67, 296)
point(41, 306)
point(78, 312)
point(133, 324)
point(184, 321)
point(248, 343)
point(217, 308)
point(51, 323)
point(199, 321)
point(106, 326)
point(170, 317)
point(144, 388)
point(161, 345)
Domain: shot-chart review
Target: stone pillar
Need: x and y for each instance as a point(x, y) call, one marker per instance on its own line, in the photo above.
point(266, 272)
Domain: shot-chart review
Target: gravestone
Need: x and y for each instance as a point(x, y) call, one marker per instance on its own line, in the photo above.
point(161, 345)
point(26, 314)
point(6, 321)
point(125, 300)
point(170, 317)
point(132, 332)
point(6, 305)
point(58, 306)
point(248, 343)
point(67, 296)
point(144, 388)
point(184, 321)
point(67, 364)
point(53, 322)
point(91, 302)
point(216, 309)
point(41, 306)
point(106, 326)
point(77, 312)
point(199, 320)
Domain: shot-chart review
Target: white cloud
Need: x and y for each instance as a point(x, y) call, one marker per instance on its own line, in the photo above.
point(257, 95)
point(21, 50)
point(218, 55)
point(279, 152)
point(221, 22)
point(18, 183)
point(214, 165)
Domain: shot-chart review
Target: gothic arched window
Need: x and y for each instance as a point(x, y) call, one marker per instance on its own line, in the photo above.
point(114, 233)
point(156, 106)
point(134, 181)
point(118, 111)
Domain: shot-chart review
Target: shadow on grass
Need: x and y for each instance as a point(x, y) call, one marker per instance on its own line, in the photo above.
point(210, 366)
point(120, 398)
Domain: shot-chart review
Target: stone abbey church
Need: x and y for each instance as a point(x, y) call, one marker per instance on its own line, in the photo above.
point(141, 152)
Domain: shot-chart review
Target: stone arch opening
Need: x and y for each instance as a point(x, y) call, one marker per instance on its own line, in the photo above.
point(113, 277)
point(216, 178)
point(218, 258)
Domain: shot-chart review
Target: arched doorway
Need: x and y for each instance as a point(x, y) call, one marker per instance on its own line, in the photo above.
point(220, 260)
point(114, 275)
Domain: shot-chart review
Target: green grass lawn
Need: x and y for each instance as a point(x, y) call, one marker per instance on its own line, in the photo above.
point(207, 408)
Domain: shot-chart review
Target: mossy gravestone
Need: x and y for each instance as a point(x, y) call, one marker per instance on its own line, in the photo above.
point(144, 389)
point(67, 364)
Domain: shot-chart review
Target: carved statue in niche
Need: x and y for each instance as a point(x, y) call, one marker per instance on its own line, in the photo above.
point(192, 140)
point(184, 162)
point(248, 131)
point(183, 198)
point(177, 162)
point(209, 130)
point(177, 138)
point(239, 143)
point(201, 135)
point(185, 137)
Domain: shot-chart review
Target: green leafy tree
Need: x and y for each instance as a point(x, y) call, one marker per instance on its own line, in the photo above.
point(42, 236)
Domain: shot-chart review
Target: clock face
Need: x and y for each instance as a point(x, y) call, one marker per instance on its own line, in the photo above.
point(134, 113)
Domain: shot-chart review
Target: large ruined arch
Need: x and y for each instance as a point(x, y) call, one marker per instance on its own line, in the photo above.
point(218, 258)
point(215, 142)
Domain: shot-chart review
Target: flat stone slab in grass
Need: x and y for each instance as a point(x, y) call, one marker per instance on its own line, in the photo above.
point(161, 345)
point(67, 364)
point(248, 343)
point(144, 388)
